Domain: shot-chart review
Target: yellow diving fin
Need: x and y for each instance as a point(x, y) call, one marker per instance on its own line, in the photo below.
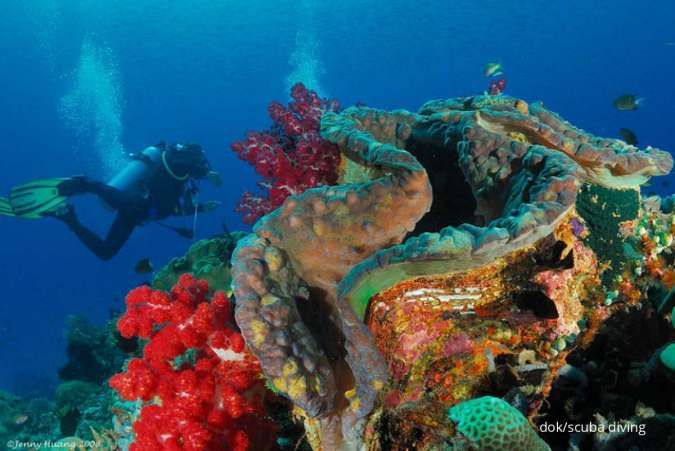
point(5, 207)
point(34, 199)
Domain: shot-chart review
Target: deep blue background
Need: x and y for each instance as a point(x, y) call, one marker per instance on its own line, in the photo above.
point(205, 70)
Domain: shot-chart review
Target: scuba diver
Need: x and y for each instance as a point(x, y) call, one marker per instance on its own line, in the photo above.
point(159, 182)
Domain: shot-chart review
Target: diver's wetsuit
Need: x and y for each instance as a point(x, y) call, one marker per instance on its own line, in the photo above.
point(161, 196)
point(131, 212)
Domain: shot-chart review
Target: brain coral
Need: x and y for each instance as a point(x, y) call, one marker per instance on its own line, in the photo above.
point(491, 424)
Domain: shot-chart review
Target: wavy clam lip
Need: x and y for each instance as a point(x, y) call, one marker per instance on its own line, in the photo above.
point(524, 166)
point(504, 176)
point(302, 250)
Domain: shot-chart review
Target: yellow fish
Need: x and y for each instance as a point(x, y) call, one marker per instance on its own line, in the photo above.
point(492, 70)
point(20, 419)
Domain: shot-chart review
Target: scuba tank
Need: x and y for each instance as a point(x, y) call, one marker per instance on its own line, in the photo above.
point(184, 163)
point(137, 170)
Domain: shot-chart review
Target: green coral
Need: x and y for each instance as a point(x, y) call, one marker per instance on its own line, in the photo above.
point(668, 204)
point(82, 406)
point(206, 259)
point(82, 402)
point(667, 354)
point(492, 424)
point(603, 210)
point(26, 419)
point(94, 352)
point(72, 395)
point(668, 357)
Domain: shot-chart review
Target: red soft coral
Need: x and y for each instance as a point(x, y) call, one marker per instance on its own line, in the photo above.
point(291, 156)
point(208, 399)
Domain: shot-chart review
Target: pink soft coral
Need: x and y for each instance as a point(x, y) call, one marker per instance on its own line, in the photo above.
point(213, 399)
point(291, 156)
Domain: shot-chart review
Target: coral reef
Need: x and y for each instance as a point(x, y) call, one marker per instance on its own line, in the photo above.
point(612, 380)
point(291, 156)
point(201, 388)
point(464, 274)
point(206, 259)
point(94, 353)
point(26, 419)
point(81, 406)
point(667, 354)
point(373, 340)
point(491, 424)
point(79, 410)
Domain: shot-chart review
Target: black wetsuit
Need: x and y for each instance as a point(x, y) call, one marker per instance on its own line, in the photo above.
point(163, 196)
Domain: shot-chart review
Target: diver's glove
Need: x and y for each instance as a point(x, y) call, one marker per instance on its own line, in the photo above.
point(75, 185)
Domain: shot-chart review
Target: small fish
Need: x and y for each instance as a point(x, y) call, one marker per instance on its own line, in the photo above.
point(628, 136)
point(120, 414)
point(143, 266)
point(492, 70)
point(627, 102)
point(214, 178)
point(20, 419)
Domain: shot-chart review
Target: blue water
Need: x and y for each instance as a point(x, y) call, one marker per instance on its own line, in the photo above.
point(81, 80)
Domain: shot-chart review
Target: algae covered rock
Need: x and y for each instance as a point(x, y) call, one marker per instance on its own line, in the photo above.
point(75, 394)
point(206, 259)
point(22, 420)
point(83, 406)
point(604, 209)
point(94, 352)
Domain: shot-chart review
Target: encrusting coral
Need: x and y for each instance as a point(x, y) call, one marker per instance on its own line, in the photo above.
point(94, 352)
point(509, 264)
point(206, 259)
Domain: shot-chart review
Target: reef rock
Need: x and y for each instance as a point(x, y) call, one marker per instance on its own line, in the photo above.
point(94, 352)
point(513, 259)
point(206, 259)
